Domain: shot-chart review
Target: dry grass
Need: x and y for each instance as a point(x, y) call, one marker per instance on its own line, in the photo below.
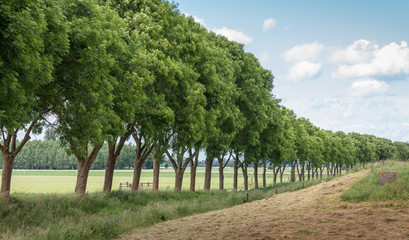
point(316, 212)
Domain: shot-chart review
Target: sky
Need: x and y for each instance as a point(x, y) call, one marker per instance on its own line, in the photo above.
point(344, 65)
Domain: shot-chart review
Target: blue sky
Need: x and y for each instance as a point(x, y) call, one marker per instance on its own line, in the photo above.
point(342, 64)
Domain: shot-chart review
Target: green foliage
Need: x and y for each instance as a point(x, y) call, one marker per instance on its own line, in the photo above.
point(368, 188)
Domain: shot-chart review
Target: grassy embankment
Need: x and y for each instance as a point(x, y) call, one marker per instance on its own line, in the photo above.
point(96, 216)
point(368, 188)
point(63, 181)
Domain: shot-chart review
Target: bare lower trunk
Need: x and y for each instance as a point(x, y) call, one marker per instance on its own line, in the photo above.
point(114, 150)
point(193, 167)
point(321, 169)
point(264, 175)
point(208, 173)
point(282, 169)
point(235, 173)
point(137, 170)
point(8, 161)
point(245, 175)
point(221, 177)
point(255, 175)
point(82, 176)
point(179, 179)
point(9, 148)
point(292, 179)
point(109, 170)
point(84, 165)
point(156, 169)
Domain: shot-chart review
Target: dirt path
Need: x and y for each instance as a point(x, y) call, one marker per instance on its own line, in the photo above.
point(316, 212)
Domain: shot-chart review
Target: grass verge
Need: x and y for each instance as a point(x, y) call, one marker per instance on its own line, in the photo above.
point(368, 188)
point(99, 216)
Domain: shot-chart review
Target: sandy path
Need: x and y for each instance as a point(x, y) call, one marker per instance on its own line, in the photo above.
point(311, 213)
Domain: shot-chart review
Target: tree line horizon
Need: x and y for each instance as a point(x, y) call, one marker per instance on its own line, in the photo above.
point(105, 71)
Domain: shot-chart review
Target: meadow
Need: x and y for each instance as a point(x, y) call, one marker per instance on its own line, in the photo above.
point(368, 188)
point(63, 181)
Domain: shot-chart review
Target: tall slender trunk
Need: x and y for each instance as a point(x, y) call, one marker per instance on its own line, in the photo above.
point(275, 173)
point(137, 170)
point(244, 167)
point(221, 177)
point(299, 174)
point(114, 150)
point(179, 179)
point(309, 171)
point(142, 151)
point(9, 149)
point(179, 166)
point(208, 173)
point(255, 175)
point(328, 171)
point(264, 174)
point(282, 171)
point(321, 169)
point(235, 173)
point(8, 161)
point(193, 166)
point(84, 165)
point(292, 178)
point(156, 170)
point(109, 168)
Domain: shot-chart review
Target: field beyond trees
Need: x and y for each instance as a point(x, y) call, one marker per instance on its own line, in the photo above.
point(63, 181)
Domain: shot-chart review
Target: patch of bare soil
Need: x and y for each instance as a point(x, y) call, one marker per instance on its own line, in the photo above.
point(316, 212)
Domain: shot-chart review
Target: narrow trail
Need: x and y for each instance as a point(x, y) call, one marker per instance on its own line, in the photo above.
point(316, 212)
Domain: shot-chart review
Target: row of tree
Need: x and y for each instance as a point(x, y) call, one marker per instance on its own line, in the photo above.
point(110, 70)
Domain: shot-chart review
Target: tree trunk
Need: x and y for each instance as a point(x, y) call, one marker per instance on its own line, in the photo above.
point(282, 172)
point(84, 165)
point(179, 166)
point(299, 174)
point(208, 173)
point(321, 169)
point(235, 173)
point(245, 175)
point(8, 161)
point(9, 149)
point(137, 170)
point(179, 179)
point(113, 153)
point(292, 179)
point(309, 171)
point(275, 173)
point(142, 152)
point(193, 167)
point(264, 175)
point(109, 169)
point(221, 177)
point(255, 175)
point(156, 169)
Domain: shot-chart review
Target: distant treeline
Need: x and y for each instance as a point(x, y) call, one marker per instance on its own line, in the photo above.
point(49, 154)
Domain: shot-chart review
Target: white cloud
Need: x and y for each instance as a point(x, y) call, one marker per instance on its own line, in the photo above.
point(370, 60)
point(304, 69)
point(233, 35)
point(358, 52)
point(199, 20)
point(368, 87)
point(195, 18)
point(307, 51)
point(269, 24)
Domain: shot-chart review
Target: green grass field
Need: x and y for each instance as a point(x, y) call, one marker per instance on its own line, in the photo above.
point(368, 188)
point(63, 181)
